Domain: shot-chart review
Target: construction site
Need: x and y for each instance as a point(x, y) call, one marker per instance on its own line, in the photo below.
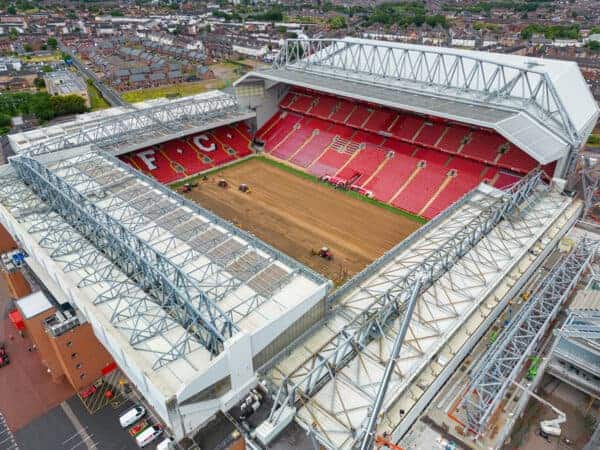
point(366, 245)
point(276, 209)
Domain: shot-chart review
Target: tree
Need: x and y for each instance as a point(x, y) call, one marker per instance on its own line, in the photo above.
point(11, 10)
point(52, 43)
point(28, 48)
point(117, 13)
point(4, 120)
point(593, 46)
point(337, 23)
point(67, 104)
point(39, 83)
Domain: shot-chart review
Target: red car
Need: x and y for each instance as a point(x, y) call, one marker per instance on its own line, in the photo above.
point(88, 391)
point(4, 360)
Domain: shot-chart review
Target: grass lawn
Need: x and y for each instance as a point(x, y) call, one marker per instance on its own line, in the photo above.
point(96, 100)
point(593, 140)
point(181, 89)
point(308, 176)
point(45, 58)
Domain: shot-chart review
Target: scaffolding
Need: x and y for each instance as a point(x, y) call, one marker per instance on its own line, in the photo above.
point(495, 372)
point(166, 118)
point(450, 75)
point(166, 269)
point(371, 313)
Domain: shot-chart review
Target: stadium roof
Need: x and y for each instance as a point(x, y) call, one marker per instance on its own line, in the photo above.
point(165, 281)
point(120, 130)
point(462, 257)
point(543, 106)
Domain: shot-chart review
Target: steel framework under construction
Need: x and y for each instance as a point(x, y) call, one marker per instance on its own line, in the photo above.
point(452, 259)
point(170, 118)
point(145, 246)
point(499, 367)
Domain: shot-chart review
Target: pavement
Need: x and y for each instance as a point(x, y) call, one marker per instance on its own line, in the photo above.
point(25, 381)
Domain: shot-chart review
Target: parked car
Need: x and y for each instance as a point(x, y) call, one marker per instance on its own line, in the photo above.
point(165, 444)
point(148, 435)
point(132, 415)
point(4, 360)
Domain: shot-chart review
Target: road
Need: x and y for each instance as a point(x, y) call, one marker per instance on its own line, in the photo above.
point(109, 95)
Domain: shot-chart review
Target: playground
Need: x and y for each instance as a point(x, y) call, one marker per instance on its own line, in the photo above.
point(300, 216)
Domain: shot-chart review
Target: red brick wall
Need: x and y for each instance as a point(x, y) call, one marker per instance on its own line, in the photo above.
point(80, 346)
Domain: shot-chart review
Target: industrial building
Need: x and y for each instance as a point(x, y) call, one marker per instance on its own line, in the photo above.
point(65, 82)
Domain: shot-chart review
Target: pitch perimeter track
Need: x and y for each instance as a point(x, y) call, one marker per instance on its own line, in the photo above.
point(296, 215)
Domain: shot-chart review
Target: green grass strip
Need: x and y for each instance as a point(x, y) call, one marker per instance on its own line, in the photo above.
point(307, 176)
point(180, 183)
point(315, 179)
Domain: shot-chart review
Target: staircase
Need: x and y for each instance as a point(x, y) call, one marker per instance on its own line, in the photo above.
point(341, 145)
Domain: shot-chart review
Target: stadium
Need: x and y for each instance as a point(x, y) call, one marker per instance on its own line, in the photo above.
point(189, 232)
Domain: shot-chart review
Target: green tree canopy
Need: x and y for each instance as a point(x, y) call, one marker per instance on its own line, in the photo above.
point(336, 23)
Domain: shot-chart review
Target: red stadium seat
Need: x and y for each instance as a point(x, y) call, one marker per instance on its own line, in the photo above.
point(280, 131)
point(180, 158)
point(451, 193)
point(483, 146)
point(392, 176)
point(406, 127)
point(365, 163)
point(517, 160)
point(294, 140)
point(430, 133)
point(421, 188)
point(380, 120)
point(382, 147)
point(186, 155)
point(154, 163)
point(302, 104)
point(505, 179)
point(324, 106)
point(434, 156)
point(359, 116)
point(329, 163)
point(452, 139)
point(343, 109)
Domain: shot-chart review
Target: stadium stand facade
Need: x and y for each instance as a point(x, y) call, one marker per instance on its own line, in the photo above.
point(418, 127)
point(183, 157)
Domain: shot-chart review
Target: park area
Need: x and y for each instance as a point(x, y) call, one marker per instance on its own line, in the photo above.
point(298, 215)
point(172, 90)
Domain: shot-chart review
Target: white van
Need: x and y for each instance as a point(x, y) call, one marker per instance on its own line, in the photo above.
point(132, 415)
point(148, 435)
point(165, 444)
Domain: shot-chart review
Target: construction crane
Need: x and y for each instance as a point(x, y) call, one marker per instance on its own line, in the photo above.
point(369, 438)
point(550, 427)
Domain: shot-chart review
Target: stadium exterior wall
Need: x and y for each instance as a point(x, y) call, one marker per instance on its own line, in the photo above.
point(186, 409)
point(266, 105)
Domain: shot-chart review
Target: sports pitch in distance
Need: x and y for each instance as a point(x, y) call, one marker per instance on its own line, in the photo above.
point(297, 215)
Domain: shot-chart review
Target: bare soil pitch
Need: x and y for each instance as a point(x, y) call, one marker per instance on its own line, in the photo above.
point(297, 215)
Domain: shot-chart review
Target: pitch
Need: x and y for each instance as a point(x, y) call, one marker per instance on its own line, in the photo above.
point(299, 216)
